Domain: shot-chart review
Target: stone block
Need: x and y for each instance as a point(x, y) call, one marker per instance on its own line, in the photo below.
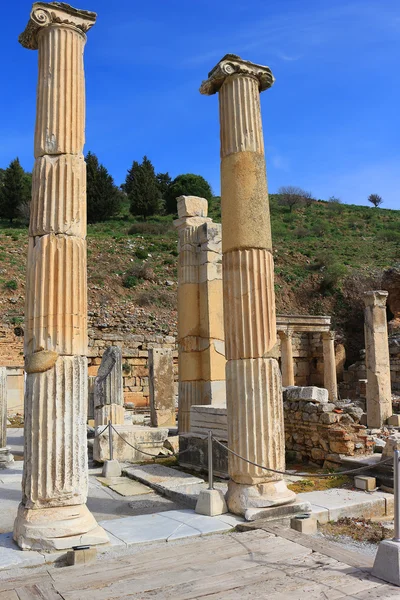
point(387, 562)
point(111, 468)
point(162, 392)
point(109, 412)
point(304, 524)
point(307, 393)
point(211, 503)
point(192, 206)
point(81, 556)
point(367, 484)
point(394, 420)
point(149, 439)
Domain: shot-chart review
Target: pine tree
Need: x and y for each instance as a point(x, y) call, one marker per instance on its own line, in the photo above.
point(164, 181)
point(103, 196)
point(14, 190)
point(143, 190)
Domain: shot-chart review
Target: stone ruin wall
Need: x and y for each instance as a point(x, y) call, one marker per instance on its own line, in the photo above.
point(308, 359)
point(315, 432)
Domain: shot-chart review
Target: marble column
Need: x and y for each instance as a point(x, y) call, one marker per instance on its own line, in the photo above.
point(330, 379)
point(53, 514)
point(6, 458)
point(162, 388)
point(287, 365)
point(109, 389)
point(377, 360)
point(253, 379)
point(201, 368)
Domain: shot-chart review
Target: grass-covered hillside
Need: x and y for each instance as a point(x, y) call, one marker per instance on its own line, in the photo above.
point(326, 255)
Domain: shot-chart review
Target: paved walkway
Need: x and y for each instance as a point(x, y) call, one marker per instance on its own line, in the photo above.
point(251, 565)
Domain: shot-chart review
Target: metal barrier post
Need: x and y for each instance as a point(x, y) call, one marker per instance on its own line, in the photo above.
point(396, 486)
point(210, 462)
point(110, 442)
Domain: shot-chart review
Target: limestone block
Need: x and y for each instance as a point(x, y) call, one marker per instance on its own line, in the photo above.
point(190, 392)
point(392, 444)
point(211, 503)
point(190, 366)
point(56, 295)
point(304, 524)
point(192, 206)
point(85, 556)
point(256, 432)
point(58, 196)
point(307, 393)
point(162, 392)
point(111, 468)
point(55, 435)
point(109, 412)
point(367, 484)
point(149, 439)
point(189, 308)
point(394, 420)
point(60, 119)
point(387, 562)
point(211, 310)
point(213, 361)
point(249, 291)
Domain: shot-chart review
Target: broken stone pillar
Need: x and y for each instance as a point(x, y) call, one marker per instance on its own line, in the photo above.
point(201, 348)
point(53, 514)
point(287, 365)
point(379, 395)
point(109, 389)
point(162, 392)
point(253, 379)
point(5, 456)
point(330, 380)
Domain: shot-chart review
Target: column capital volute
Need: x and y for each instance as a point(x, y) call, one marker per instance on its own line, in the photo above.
point(46, 14)
point(232, 65)
point(376, 298)
point(328, 335)
point(285, 333)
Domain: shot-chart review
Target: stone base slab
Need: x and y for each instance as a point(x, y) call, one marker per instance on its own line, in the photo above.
point(61, 528)
point(211, 503)
point(276, 513)
point(242, 497)
point(387, 562)
point(149, 439)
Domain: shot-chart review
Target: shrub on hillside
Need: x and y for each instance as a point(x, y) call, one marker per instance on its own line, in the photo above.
point(150, 228)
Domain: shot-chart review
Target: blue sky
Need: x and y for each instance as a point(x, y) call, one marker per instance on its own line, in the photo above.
point(331, 120)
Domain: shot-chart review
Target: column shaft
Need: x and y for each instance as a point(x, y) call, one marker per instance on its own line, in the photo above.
point(287, 364)
point(379, 394)
point(330, 379)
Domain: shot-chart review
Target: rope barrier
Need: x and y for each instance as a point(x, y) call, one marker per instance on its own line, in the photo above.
point(314, 475)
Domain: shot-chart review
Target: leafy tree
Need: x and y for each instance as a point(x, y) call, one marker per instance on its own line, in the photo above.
point(375, 199)
point(293, 196)
point(143, 189)
point(186, 185)
point(164, 181)
point(103, 197)
point(24, 209)
point(14, 190)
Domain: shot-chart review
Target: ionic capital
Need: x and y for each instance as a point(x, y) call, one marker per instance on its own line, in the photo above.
point(376, 298)
point(45, 14)
point(285, 334)
point(230, 65)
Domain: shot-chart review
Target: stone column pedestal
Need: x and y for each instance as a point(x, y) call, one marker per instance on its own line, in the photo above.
point(201, 368)
point(53, 513)
point(330, 379)
point(377, 361)
point(6, 458)
point(287, 365)
point(162, 392)
point(253, 379)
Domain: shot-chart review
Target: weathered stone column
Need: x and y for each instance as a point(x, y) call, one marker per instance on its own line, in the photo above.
point(109, 389)
point(5, 456)
point(200, 314)
point(253, 379)
point(53, 513)
point(162, 393)
point(330, 379)
point(379, 395)
point(287, 365)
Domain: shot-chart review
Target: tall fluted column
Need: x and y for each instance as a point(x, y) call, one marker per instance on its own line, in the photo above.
point(53, 513)
point(330, 379)
point(253, 379)
point(377, 360)
point(287, 365)
point(6, 458)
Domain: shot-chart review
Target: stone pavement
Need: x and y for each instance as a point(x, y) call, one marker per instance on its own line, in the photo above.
point(256, 564)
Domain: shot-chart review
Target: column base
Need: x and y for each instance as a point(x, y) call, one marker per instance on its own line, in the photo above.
point(60, 528)
point(241, 497)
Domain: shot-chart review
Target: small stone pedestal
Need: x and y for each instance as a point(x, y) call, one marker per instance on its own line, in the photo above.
point(387, 562)
point(211, 503)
